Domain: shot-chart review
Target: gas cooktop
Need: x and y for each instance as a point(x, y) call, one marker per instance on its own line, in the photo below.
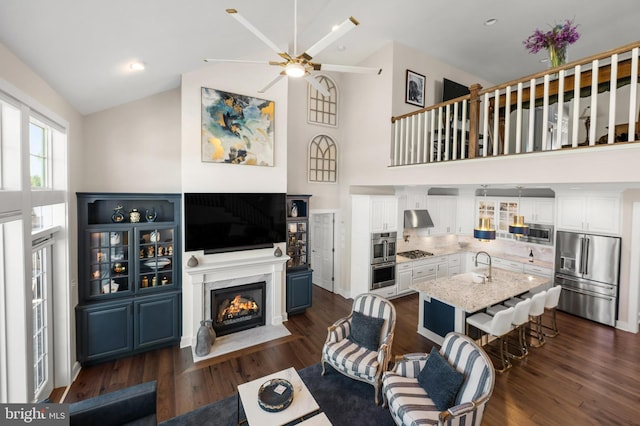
point(415, 254)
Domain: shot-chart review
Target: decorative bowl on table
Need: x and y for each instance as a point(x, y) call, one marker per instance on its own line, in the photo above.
point(158, 263)
point(275, 395)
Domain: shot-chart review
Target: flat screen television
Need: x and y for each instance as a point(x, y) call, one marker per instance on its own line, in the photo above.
point(223, 222)
point(452, 90)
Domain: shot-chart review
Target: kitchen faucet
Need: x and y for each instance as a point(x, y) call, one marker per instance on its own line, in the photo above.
point(489, 264)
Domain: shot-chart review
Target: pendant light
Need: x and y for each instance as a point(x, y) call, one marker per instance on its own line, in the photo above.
point(484, 231)
point(519, 228)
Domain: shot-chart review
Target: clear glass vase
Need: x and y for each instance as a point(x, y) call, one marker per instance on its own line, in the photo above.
point(557, 56)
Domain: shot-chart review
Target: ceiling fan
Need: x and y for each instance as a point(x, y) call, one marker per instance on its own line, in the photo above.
point(300, 65)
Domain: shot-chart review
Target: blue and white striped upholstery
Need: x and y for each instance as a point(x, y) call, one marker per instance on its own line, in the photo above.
point(411, 406)
point(355, 361)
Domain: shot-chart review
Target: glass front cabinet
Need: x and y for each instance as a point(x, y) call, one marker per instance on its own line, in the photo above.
point(129, 283)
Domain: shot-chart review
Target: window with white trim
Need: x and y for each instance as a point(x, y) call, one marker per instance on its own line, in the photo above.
point(323, 109)
point(33, 210)
point(323, 159)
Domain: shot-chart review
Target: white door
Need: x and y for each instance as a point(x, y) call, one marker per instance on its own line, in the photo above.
point(322, 249)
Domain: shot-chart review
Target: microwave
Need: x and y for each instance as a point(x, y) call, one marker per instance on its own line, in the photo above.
point(539, 234)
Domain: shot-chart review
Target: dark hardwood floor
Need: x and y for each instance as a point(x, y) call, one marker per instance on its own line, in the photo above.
point(587, 375)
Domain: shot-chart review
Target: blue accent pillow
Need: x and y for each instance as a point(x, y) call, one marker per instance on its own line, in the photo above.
point(365, 330)
point(440, 380)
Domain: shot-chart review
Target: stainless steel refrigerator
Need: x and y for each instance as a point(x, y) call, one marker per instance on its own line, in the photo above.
point(588, 269)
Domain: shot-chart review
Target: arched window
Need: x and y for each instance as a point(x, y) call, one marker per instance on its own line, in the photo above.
point(323, 159)
point(323, 109)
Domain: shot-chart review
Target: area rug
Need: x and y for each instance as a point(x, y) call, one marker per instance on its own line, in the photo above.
point(345, 402)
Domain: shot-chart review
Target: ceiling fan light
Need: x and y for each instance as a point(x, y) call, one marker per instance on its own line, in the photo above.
point(294, 70)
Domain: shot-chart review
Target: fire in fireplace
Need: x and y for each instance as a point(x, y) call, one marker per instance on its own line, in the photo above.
point(238, 308)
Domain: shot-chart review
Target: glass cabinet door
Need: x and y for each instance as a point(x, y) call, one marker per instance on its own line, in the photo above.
point(108, 263)
point(155, 257)
point(297, 243)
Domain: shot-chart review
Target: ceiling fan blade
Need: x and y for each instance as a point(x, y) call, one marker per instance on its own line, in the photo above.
point(268, 86)
point(346, 68)
point(334, 35)
point(254, 30)
point(242, 61)
point(316, 85)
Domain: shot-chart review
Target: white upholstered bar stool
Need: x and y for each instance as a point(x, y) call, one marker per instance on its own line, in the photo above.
point(536, 310)
point(519, 322)
point(499, 326)
point(550, 305)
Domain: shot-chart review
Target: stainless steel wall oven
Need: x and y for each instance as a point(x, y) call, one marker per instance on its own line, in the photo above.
point(383, 260)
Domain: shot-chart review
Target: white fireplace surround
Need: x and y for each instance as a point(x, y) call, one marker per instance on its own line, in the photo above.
point(226, 273)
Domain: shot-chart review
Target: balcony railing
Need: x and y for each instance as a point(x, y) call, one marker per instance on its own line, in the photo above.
point(589, 102)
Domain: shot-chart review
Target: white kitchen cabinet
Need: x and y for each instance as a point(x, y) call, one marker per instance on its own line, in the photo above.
point(387, 292)
point(598, 213)
point(404, 277)
point(539, 271)
point(454, 264)
point(416, 200)
point(465, 215)
point(369, 214)
point(443, 211)
point(537, 210)
point(384, 213)
point(509, 265)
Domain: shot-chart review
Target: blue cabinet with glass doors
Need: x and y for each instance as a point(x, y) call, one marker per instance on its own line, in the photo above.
point(129, 274)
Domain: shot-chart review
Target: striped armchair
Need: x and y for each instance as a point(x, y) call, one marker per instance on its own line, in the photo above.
point(409, 403)
point(356, 361)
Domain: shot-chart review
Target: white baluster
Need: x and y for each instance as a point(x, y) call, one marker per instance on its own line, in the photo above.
point(594, 102)
point(611, 137)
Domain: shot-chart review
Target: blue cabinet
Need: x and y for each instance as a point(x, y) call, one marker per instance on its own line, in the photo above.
point(129, 274)
point(439, 317)
point(299, 291)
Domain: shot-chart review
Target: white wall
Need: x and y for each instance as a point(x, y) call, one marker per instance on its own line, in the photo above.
point(134, 147)
point(198, 176)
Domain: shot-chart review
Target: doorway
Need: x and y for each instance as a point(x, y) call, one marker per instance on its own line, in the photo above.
point(323, 249)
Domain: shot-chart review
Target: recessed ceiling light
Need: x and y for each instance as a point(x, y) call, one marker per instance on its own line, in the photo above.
point(137, 66)
point(491, 21)
point(544, 60)
point(335, 27)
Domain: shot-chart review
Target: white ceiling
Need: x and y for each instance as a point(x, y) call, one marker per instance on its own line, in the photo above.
point(82, 48)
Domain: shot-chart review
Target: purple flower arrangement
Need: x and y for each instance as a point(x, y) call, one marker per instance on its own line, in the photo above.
point(557, 38)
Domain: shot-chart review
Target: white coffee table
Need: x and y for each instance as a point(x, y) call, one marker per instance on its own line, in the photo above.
point(303, 404)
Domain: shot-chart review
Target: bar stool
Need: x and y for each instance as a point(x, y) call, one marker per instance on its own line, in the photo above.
point(519, 321)
point(550, 305)
point(536, 311)
point(498, 326)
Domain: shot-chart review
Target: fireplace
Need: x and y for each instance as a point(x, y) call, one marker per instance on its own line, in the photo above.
point(238, 308)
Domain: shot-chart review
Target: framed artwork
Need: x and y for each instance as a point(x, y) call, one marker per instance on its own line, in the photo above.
point(236, 129)
point(415, 88)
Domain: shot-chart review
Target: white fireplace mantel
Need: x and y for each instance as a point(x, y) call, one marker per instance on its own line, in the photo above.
point(226, 273)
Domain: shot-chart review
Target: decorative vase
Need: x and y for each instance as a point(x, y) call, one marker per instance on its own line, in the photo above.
point(192, 261)
point(277, 252)
point(294, 210)
point(118, 215)
point(205, 338)
point(134, 216)
point(150, 215)
point(557, 56)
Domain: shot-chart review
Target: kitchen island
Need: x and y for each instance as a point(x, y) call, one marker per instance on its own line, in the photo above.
point(446, 302)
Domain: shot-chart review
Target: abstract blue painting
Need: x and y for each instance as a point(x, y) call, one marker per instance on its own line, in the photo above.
point(236, 129)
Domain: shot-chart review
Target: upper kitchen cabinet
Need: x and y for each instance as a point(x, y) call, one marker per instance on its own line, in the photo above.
point(537, 210)
point(443, 212)
point(416, 199)
point(589, 212)
point(383, 212)
point(465, 214)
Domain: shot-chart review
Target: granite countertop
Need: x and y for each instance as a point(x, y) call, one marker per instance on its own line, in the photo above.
point(461, 292)
point(446, 250)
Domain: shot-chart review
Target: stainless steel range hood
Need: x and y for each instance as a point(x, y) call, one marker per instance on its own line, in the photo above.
point(417, 219)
